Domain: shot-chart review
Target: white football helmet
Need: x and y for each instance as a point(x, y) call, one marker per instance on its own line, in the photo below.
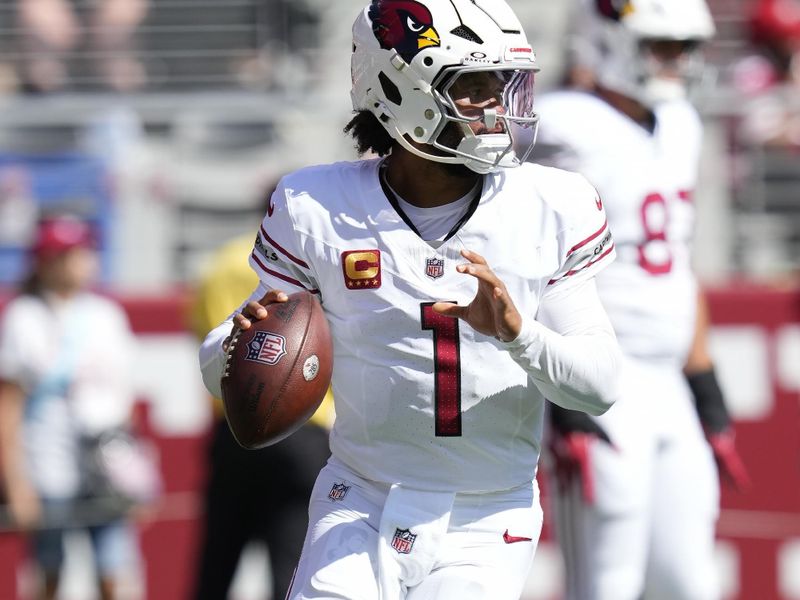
point(615, 40)
point(409, 54)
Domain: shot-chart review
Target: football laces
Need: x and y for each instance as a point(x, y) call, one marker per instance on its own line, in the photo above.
point(229, 352)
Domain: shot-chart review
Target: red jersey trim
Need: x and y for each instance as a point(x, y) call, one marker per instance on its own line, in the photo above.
point(281, 276)
point(282, 250)
point(581, 244)
point(584, 267)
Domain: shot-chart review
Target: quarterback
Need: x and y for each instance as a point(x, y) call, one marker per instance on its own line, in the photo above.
point(458, 281)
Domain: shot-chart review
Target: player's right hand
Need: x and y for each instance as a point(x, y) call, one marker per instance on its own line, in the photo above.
point(492, 311)
point(253, 311)
point(257, 311)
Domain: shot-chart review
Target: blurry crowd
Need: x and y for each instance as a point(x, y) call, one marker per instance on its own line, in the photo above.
point(135, 45)
point(769, 77)
point(52, 32)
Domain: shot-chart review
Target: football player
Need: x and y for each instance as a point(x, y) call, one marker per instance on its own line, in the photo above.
point(459, 286)
point(637, 492)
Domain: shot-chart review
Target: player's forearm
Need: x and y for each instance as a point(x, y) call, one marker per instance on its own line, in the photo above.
point(212, 357)
point(570, 350)
point(212, 353)
point(579, 372)
point(699, 358)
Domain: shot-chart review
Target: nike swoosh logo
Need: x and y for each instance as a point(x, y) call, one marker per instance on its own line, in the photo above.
point(270, 208)
point(513, 539)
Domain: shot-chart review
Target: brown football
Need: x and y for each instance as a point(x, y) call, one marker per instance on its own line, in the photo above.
point(277, 371)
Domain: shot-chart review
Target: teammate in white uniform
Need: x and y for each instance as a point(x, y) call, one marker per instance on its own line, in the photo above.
point(640, 518)
point(459, 287)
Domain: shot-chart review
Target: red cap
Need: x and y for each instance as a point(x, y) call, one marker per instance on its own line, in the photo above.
point(55, 236)
point(775, 20)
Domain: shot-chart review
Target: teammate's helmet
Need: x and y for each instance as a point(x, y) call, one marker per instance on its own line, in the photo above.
point(407, 56)
point(615, 39)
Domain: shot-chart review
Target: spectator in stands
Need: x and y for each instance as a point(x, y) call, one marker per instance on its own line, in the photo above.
point(251, 495)
point(64, 380)
point(771, 78)
point(52, 29)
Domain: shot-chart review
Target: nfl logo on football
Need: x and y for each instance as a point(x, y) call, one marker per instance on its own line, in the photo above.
point(403, 541)
point(266, 347)
point(338, 491)
point(434, 267)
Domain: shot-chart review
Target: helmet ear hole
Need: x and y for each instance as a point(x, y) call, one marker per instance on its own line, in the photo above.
point(390, 91)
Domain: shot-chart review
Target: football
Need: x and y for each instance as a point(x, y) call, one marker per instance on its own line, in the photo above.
point(277, 372)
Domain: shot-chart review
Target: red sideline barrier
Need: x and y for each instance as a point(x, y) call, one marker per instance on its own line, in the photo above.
point(756, 523)
point(760, 522)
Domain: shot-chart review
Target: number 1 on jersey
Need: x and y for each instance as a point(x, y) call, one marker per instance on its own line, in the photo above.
point(446, 370)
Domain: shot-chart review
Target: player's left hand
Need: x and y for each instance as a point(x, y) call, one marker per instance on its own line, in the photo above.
point(572, 463)
point(729, 463)
point(492, 311)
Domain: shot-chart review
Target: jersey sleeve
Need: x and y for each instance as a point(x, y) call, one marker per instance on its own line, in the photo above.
point(570, 350)
point(278, 257)
point(585, 239)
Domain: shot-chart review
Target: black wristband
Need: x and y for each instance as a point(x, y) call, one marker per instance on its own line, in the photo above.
point(566, 421)
point(708, 401)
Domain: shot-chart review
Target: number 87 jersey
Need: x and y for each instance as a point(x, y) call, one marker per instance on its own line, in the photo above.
point(646, 180)
point(422, 399)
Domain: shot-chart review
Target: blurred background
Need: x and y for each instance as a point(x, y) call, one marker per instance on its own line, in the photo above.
point(164, 122)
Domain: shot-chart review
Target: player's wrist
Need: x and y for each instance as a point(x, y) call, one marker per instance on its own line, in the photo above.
point(709, 401)
point(524, 336)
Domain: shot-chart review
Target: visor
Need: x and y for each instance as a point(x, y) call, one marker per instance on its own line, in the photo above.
point(469, 92)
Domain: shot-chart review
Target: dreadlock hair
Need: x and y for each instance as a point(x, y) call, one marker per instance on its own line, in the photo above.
point(369, 134)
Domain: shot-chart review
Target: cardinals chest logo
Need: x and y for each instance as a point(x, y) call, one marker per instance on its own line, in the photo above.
point(403, 25)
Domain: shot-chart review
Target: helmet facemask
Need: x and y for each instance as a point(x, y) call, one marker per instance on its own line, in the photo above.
point(670, 69)
point(481, 109)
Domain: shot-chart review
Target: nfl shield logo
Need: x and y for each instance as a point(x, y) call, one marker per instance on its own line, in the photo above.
point(403, 541)
point(338, 491)
point(265, 347)
point(434, 267)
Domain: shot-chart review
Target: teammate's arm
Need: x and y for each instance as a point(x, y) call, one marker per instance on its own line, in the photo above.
point(710, 403)
point(571, 351)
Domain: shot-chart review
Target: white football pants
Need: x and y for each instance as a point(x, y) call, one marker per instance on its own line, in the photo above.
point(369, 541)
point(650, 532)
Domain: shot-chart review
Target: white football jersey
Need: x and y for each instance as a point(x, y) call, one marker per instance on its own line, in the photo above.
point(422, 399)
point(646, 182)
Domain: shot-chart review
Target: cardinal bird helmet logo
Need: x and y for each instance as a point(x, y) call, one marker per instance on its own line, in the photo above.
point(614, 9)
point(403, 25)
